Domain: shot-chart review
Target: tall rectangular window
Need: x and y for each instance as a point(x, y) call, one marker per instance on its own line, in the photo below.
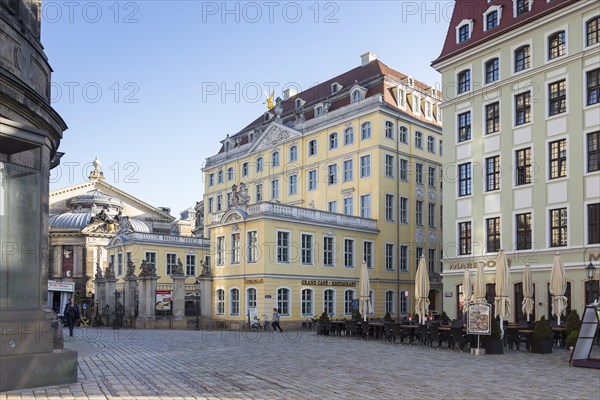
point(275, 188)
point(523, 167)
point(171, 263)
point(464, 81)
point(464, 126)
point(492, 70)
point(523, 231)
point(348, 300)
point(419, 173)
point(389, 207)
point(293, 184)
point(347, 170)
point(348, 206)
point(492, 173)
point(349, 253)
point(464, 179)
point(221, 250)
point(307, 302)
point(558, 97)
point(593, 87)
point(492, 118)
point(306, 242)
point(332, 171)
point(419, 212)
point(190, 264)
point(593, 224)
point(523, 108)
point(558, 227)
point(365, 166)
point(312, 147)
point(463, 33)
point(522, 58)
point(365, 206)
point(328, 251)
point(389, 302)
point(431, 260)
point(431, 177)
point(403, 258)
point(252, 243)
point(557, 45)
point(522, 7)
point(332, 206)
point(389, 257)
point(558, 159)
point(491, 20)
point(464, 232)
point(431, 215)
point(235, 248)
point(348, 136)
point(493, 234)
point(389, 166)
point(258, 192)
point(368, 254)
point(403, 170)
point(312, 179)
point(592, 31)
point(404, 209)
point(283, 247)
point(593, 151)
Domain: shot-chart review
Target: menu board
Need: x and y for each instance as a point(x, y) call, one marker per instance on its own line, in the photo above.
point(163, 300)
point(479, 321)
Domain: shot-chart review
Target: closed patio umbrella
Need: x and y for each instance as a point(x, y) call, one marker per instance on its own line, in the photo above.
point(466, 289)
point(558, 287)
point(364, 301)
point(502, 301)
point(479, 287)
point(528, 302)
point(422, 289)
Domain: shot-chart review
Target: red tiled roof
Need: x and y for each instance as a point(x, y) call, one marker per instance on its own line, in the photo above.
point(362, 75)
point(474, 9)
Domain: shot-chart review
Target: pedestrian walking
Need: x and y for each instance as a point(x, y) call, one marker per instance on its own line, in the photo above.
point(72, 314)
point(275, 322)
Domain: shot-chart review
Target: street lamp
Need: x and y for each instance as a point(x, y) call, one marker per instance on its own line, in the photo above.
point(197, 289)
point(590, 271)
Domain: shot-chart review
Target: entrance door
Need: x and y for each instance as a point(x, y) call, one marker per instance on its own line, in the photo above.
point(56, 302)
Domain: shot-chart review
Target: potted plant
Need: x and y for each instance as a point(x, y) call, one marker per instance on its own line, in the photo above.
point(356, 315)
point(322, 320)
point(572, 328)
point(541, 338)
point(493, 344)
point(388, 317)
point(571, 339)
point(444, 318)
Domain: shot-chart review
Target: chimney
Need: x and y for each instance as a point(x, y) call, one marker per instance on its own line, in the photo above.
point(289, 92)
point(367, 58)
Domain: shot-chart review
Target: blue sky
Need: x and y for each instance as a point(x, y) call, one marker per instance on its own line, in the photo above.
point(150, 87)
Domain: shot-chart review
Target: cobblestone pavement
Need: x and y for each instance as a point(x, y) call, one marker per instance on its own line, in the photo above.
point(161, 364)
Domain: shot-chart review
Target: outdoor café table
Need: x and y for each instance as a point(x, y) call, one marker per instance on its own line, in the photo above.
point(377, 329)
point(338, 326)
point(411, 330)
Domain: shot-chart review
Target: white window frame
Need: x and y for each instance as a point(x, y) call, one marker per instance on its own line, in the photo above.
point(287, 254)
point(311, 250)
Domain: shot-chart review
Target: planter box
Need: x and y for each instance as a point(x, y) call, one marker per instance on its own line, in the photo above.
point(494, 346)
point(541, 346)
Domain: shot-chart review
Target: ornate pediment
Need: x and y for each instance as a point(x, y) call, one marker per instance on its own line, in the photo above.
point(273, 135)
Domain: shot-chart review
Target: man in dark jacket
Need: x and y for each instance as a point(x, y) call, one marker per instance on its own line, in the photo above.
point(72, 314)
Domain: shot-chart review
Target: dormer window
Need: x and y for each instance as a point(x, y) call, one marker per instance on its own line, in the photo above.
point(356, 95)
point(318, 111)
point(427, 109)
point(416, 103)
point(492, 17)
point(335, 87)
point(521, 7)
point(411, 81)
point(401, 97)
point(250, 136)
point(299, 102)
point(463, 30)
point(267, 116)
point(227, 146)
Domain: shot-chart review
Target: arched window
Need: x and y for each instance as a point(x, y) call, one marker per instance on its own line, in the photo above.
point(294, 153)
point(307, 303)
point(365, 131)
point(557, 45)
point(220, 176)
point(349, 295)
point(349, 136)
point(333, 141)
point(283, 301)
point(230, 173)
point(418, 140)
point(356, 95)
point(431, 144)
point(389, 129)
point(234, 302)
point(403, 136)
point(592, 33)
point(220, 302)
point(464, 81)
point(492, 70)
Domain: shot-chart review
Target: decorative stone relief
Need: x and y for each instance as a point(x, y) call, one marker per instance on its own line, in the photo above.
point(432, 195)
point(420, 237)
point(276, 134)
point(420, 192)
point(432, 237)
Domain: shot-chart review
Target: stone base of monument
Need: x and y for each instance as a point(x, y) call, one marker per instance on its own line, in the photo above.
point(28, 357)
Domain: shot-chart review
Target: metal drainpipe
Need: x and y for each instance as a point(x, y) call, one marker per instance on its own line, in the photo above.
point(397, 201)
